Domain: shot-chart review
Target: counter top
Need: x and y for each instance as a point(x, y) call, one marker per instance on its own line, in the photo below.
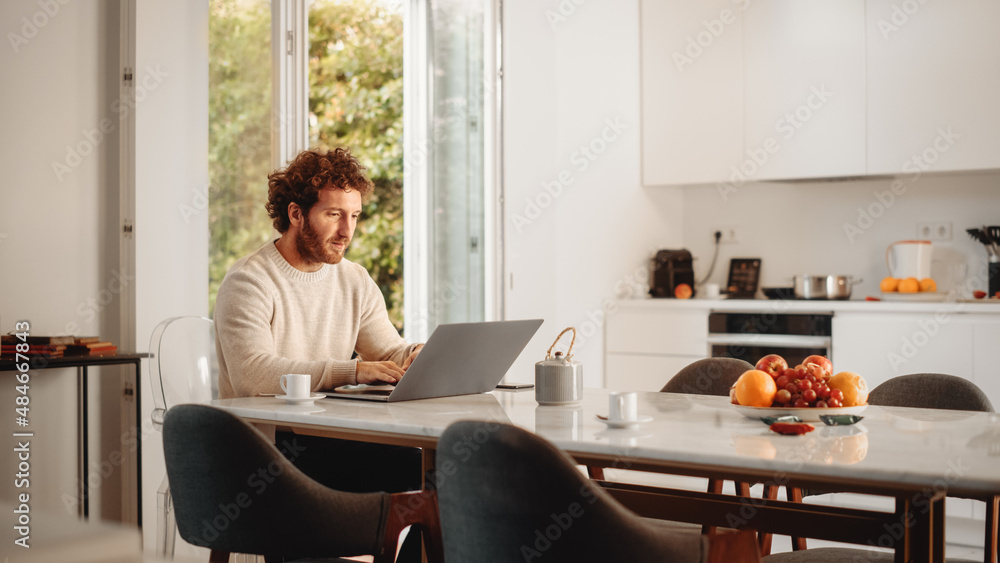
point(991, 307)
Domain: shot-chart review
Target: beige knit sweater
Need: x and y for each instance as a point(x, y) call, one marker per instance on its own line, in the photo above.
point(272, 319)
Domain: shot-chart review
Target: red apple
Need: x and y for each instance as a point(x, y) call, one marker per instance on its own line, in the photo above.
point(822, 361)
point(772, 364)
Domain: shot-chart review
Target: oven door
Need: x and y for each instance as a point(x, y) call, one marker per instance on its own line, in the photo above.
point(752, 347)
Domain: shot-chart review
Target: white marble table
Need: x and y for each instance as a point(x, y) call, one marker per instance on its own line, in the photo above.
point(915, 455)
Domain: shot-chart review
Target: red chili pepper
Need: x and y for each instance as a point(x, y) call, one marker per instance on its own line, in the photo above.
point(792, 428)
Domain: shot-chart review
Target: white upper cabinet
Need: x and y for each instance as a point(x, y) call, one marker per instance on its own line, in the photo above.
point(692, 93)
point(804, 87)
point(735, 91)
point(933, 83)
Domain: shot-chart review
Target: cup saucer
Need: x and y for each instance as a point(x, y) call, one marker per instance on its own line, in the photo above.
point(623, 423)
point(301, 401)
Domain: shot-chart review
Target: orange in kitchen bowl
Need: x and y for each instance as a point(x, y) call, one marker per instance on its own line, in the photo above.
point(853, 386)
point(927, 284)
point(755, 388)
point(889, 285)
point(909, 285)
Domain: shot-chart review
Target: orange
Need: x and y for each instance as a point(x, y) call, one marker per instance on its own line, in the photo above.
point(909, 285)
point(755, 388)
point(889, 285)
point(927, 284)
point(852, 385)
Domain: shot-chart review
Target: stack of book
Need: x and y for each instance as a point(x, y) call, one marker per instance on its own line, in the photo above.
point(55, 346)
point(90, 346)
point(37, 346)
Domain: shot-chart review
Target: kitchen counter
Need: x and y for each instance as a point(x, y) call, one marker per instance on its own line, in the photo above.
point(816, 306)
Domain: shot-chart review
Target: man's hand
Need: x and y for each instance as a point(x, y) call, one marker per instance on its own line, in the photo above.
point(378, 372)
point(413, 356)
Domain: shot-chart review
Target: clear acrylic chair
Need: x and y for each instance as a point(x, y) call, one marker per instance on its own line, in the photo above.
point(184, 369)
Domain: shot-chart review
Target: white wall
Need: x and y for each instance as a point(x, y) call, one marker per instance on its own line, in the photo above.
point(171, 137)
point(59, 230)
point(799, 228)
point(568, 76)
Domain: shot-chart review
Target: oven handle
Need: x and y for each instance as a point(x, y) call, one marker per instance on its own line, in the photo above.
point(782, 340)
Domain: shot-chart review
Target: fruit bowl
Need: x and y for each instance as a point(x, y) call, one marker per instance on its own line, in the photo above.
point(809, 414)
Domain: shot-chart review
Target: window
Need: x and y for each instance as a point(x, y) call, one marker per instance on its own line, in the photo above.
point(408, 85)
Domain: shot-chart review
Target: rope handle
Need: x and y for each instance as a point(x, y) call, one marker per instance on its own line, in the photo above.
point(548, 354)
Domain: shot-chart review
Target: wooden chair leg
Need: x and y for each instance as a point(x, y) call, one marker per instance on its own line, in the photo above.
point(794, 494)
point(992, 521)
point(595, 472)
point(217, 556)
point(419, 509)
point(714, 486)
point(764, 538)
point(742, 489)
point(732, 547)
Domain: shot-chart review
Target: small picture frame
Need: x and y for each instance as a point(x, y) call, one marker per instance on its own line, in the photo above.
point(744, 275)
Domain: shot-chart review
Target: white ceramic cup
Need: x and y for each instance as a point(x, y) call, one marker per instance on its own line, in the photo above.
point(712, 290)
point(623, 406)
point(296, 385)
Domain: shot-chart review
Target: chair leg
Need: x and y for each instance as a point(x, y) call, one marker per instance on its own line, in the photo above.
point(419, 509)
point(166, 525)
point(595, 472)
point(992, 522)
point(764, 538)
point(794, 494)
point(715, 487)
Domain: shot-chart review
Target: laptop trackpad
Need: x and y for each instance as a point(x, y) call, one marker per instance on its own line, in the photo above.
point(364, 389)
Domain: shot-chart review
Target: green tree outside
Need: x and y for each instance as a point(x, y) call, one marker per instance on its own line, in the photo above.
point(355, 100)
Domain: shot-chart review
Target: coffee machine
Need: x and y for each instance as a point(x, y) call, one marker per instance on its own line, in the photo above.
point(669, 269)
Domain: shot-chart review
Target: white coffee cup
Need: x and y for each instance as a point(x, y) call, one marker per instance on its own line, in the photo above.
point(623, 406)
point(711, 290)
point(296, 385)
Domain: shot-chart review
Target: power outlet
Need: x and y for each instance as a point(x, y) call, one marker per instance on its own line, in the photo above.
point(934, 230)
point(728, 234)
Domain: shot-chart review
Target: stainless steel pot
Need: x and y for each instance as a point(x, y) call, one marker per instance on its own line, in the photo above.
point(824, 287)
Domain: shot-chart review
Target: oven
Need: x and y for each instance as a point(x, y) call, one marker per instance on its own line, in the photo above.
point(750, 336)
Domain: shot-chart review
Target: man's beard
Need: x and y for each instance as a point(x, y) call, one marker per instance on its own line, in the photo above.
point(311, 248)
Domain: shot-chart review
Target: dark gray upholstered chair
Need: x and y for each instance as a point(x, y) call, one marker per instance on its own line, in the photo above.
point(930, 391)
point(233, 491)
point(508, 495)
point(711, 376)
point(839, 555)
point(926, 391)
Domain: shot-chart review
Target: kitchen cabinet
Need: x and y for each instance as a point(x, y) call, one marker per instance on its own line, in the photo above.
point(881, 347)
point(804, 84)
point(692, 92)
point(933, 74)
point(644, 348)
point(734, 91)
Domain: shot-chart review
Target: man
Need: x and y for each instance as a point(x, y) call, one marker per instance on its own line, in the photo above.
point(296, 305)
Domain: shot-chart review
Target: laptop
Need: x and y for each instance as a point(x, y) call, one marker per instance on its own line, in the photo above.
point(458, 359)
